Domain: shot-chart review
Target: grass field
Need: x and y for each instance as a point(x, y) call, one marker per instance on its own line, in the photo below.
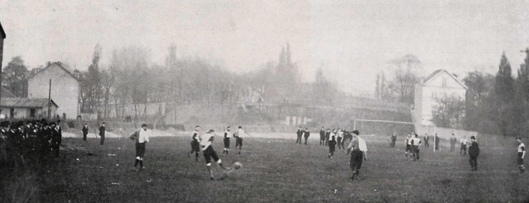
point(277, 170)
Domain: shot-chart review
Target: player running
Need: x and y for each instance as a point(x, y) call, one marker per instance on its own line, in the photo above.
point(209, 152)
point(358, 150)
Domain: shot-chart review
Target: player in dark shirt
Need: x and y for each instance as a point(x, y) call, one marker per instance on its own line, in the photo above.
point(473, 151)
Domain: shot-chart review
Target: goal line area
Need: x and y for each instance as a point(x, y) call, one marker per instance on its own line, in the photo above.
point(382, 127)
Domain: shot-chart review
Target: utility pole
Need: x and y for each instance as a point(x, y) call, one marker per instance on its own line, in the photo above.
point(49, 102)
point(2, 37)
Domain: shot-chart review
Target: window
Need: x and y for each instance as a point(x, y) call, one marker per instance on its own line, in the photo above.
point(32, 113)
point(444, 82)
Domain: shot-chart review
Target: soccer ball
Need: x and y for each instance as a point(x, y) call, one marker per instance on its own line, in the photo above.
point(237, 165)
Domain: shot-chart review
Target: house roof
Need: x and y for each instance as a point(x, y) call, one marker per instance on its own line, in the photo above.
point(2, 31)
point(23, 102)
point(60, 65)
point(7, 93)
point(439, 72)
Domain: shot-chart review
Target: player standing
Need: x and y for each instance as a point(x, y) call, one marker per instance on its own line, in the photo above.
point(195, 143)
point(332, 143)
point(227, 137)
point(209, 152)
point(426, 139)
point(408, 145)
point(141, 137)
point(521, 154)
point(102, 130)
point(322, 136)
point(453, 142)
point(358, 150)
point(393, 140)
point(299, 133)
point(340, 139)
point(238, 139)
point(416, 143)
point(473, 152)
point(327, 135)
point(306, 135)
point(463, 150)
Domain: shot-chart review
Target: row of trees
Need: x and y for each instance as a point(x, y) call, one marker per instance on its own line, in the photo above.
point(130, 78)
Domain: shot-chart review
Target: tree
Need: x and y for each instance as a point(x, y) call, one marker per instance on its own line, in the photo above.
point(15, 77)
point(478, 105)
point(503, 96)
point(449, 112)
point(405, 77)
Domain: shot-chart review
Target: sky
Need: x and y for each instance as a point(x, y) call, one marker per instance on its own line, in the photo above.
point(350, 40)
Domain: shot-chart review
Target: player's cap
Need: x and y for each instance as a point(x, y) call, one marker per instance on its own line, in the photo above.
point(144, 125)
point(356, 132)
point(103, 123)
point(211, 130)
point(472, 137)
point(197, 126)
point(519, 138)
point(241, 127)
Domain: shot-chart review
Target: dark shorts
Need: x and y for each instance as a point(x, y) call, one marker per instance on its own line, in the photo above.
point(415, 149)
point(140, 149)
point(210, 153)
point(357, 158)
point(226, 142)
point(238, 142)
point(520, 160)
point(194, 146)
point(408, 148)
point(332, 145)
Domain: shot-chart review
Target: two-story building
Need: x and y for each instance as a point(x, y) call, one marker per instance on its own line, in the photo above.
point(440, 83)
point(65, 88)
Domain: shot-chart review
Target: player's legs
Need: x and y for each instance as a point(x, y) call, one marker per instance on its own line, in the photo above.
point(239, 145)
point(520, 162)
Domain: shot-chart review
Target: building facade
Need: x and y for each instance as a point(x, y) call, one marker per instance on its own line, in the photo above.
point(65, 88)
point(26, 108)
point(440, 83)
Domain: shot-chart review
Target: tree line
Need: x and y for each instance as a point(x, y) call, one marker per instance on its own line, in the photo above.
point(130, 78)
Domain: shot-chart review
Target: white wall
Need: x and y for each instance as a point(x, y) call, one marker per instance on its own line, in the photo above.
point(435, 89)
point(64, 89)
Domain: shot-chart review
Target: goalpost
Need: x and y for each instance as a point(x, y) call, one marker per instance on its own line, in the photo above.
point(389, 121)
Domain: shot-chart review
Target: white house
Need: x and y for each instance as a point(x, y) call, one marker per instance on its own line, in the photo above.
point(65, 88)
point(439, 84)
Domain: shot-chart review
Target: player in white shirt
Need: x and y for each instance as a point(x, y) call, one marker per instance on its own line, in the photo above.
point(239, 135)
point(141, 137)
point(415, 144)
point(209, 152)
point(521, 154)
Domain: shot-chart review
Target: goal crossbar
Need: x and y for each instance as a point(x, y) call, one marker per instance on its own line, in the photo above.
point(379, 121)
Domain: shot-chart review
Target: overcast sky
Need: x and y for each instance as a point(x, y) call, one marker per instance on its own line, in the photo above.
point(350, 40)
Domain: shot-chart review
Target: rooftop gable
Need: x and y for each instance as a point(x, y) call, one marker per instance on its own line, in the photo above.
point(436, 73)
point(60, 65)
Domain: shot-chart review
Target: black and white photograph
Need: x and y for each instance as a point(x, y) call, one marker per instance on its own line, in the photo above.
point(308, 100)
